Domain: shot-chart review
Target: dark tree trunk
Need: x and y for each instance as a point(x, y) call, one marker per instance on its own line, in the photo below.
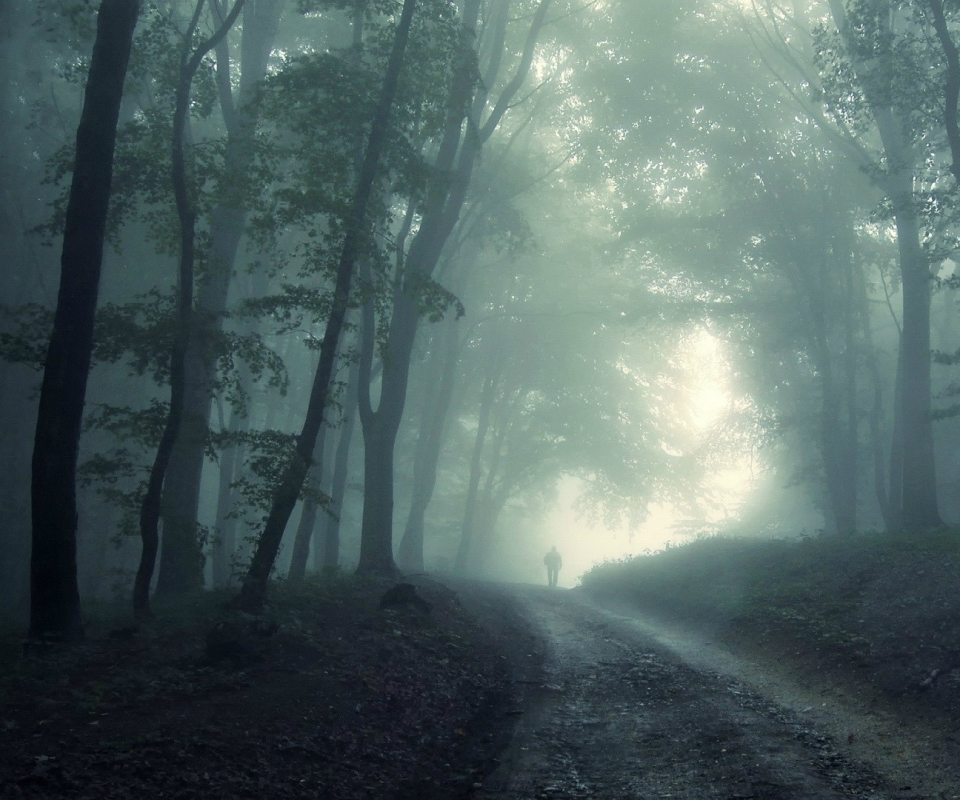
point(851, 466)
point(180, 554)
point(429, 444)
point(225, 528)
point(376, 532)
point(54, 596)
point(254, 587)
point(876, 406)
point(919, 506)
point(896, 448)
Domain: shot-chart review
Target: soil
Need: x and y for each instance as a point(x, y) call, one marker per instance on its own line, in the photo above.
point(495, 691)
point(329, 696)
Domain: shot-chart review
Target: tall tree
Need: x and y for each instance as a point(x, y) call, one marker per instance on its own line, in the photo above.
point(868, 32)
point(184, 196)
point(457, 154)
point(254, 587)
point(54, 596)
point(180, 556)
point(429, 444)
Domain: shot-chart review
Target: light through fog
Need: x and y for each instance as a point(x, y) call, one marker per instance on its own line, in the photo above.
point(584, 543)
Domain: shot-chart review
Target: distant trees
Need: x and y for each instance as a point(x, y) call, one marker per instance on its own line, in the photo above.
point(544, 230)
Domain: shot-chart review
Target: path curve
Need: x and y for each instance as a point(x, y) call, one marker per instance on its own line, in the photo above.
point(610, 705)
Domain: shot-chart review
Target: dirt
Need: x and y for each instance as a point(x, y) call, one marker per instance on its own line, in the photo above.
point(622, 706)
point(332, 697)
point(497, 691)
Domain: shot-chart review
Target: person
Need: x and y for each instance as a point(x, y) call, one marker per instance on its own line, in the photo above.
point(554, 562)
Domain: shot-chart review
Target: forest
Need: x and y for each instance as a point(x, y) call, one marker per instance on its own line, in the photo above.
point(300, 286)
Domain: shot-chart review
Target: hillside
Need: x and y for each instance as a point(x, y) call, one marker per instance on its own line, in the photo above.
point(878, 613)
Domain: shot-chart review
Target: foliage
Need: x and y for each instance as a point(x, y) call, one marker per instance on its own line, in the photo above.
point(266, 456)
point(25, 341)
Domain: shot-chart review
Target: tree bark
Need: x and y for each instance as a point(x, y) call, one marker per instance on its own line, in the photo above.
point(225, 527)
point(876, 406)
point(54, 595)
point(919, 505)
point(189, 561)
point(308, 514)
point(330, 557)
point(456, 157)
point(254, 589)
point(429, 445)
point(180, 552)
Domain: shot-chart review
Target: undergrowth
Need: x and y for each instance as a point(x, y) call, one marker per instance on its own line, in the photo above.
point(887, 605)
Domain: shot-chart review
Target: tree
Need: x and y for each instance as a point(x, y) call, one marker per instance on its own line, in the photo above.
point(457, 153)
point(54, 596)
point(254, 587)
point(180, 557)
point(869, 38)
point(187, 218)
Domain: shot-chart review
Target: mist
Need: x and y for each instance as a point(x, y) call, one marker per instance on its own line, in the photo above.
point(663, 296)
point(479, 398)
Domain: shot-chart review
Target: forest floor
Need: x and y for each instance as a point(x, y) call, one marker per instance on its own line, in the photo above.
point(327, 695)
point(799, 669)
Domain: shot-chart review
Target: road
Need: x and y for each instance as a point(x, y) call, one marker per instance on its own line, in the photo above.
point(608, 705)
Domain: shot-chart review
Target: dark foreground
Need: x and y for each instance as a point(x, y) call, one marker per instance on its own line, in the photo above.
point(500, 691)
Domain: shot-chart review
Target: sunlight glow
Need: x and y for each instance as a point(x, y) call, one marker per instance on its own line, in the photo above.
point(727, 486)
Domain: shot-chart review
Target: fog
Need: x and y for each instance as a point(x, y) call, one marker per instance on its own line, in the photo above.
point(433, 289)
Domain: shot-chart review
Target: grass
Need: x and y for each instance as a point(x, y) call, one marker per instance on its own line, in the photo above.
point(889, 606)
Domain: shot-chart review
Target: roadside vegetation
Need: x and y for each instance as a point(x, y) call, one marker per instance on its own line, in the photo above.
point(879, 611)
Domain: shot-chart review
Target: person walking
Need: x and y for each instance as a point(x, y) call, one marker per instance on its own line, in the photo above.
point(553, 562)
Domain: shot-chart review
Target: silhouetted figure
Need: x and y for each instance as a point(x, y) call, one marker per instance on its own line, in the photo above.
point(554, 562)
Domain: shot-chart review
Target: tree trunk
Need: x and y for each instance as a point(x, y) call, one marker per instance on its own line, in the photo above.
point(429, 444)
point(919, 507)
point(188, 565)
point(917, 487)
point(54, 596)
point(180, 554)
point(330, 558)
point(456, 157)
point(308, 514)
point(490, 384)
point(896, 447)
point(876, 407)
point(254, 588)
point(225, 529)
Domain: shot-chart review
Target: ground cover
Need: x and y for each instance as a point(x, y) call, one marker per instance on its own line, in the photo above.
point(327, 695)
point(877, 611)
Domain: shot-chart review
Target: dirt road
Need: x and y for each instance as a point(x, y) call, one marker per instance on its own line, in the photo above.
point(610, 706)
